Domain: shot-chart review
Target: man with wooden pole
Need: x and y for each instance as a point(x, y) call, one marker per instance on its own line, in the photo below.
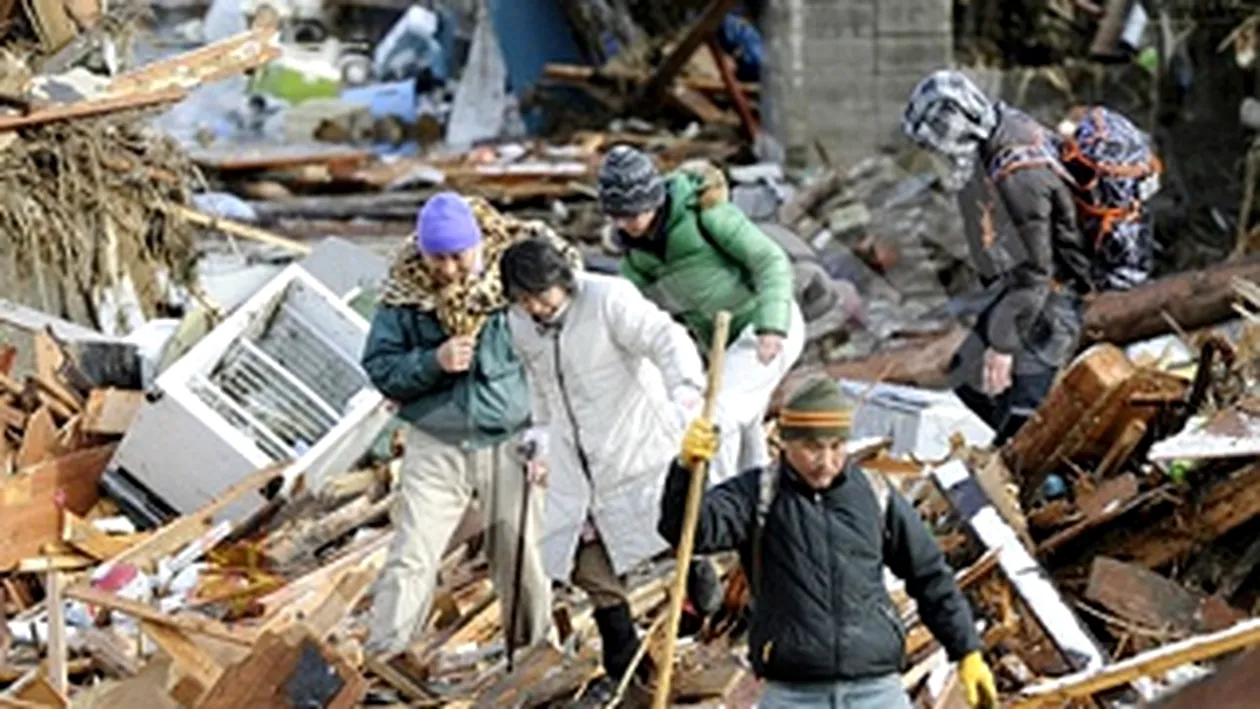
point(815, 530)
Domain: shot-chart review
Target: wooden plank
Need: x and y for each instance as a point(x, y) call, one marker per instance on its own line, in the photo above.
point(39, 440)
point(172, 537)
point(704, 27)
point(8, 355)
point(108, 652)
point(191, 623)
point(82, 535)
point(109, 412)
point(262, 679)
point(31, 501)
point(1141, 596)
point(699, 105)
point(51, 22)
point(350, 589)
point(228, 226)
point(226, 57)
point(55, 562)
point(56, 634)
point(197, 670)
point(86, 13)
point(90, 107)
point(1058, 692)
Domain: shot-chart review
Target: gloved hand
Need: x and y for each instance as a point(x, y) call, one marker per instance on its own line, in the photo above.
point(977, 680)
point(700, 442)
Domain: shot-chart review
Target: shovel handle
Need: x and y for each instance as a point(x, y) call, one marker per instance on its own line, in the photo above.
point(717, 357)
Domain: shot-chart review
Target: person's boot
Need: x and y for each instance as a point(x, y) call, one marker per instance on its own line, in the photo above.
point(619, 639)
point(704, 596)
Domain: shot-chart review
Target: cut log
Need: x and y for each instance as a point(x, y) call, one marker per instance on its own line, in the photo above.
point(1194, 300)
point(305, 538)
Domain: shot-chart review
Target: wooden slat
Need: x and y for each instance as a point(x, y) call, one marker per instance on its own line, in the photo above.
point(56, 634)
point(197, 670)
point(90, 107)
point(189, 623)
point(39, 440)
point(172, 537)
point(1058, 691)
point(226, 57)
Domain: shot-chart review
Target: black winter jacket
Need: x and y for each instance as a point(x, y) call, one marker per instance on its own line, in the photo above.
point(1023, 235)
point(821, 611)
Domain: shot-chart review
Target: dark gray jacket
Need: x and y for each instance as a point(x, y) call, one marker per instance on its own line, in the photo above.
point(822, 613)
point(1022, 233)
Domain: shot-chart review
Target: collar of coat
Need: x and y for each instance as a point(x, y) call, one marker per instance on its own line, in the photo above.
point(463, 308)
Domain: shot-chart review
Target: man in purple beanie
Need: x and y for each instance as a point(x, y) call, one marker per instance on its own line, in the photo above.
point(440, 347)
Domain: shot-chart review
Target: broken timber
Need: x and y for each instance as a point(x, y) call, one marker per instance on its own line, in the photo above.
point(1031, 583)
point(1085, 683)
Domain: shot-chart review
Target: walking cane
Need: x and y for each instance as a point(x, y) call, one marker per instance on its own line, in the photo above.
point(527, 450)
point(717, 354)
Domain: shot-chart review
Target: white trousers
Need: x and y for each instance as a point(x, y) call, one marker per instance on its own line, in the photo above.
point(747, 386)
point(436, 485)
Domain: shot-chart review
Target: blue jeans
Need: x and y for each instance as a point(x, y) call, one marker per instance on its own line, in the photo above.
point(883, 692)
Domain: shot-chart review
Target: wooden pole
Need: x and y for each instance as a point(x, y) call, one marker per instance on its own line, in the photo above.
point(751, 128)
point(677, 59)
point(699, 474)
point(235, 228)
point(56, 634)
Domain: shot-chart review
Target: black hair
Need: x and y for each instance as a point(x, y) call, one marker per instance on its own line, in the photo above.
point(531, 267)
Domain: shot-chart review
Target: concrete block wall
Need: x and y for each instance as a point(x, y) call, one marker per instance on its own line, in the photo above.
point(839, 71)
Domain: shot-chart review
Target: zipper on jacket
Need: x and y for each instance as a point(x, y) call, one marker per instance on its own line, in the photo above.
point(568, 409)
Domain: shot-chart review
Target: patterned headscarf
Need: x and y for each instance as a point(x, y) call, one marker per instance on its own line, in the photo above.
point(949, 115)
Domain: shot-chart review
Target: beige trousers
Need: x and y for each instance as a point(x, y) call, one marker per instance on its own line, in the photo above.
point(593, 573)
point(437, 483)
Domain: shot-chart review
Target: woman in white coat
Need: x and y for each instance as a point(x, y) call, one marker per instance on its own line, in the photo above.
point(613, 380)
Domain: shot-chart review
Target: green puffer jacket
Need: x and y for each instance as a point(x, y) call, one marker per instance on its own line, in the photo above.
point(480, 407)
point(740, 270)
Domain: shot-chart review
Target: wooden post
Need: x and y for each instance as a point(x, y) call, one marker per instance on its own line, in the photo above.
point(736, 92)
point(56, 634)
point(699, 474)
point(699, 32)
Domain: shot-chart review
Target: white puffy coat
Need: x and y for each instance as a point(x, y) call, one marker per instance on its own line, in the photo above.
point(603, 383)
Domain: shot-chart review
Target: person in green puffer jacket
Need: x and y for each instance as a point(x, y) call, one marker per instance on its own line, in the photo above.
point(693, 253)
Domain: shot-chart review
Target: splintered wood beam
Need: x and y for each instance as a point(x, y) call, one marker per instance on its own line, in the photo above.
point(1030, 581)
point(172, 537)
point(1058, 692)
point(189, 623)
point(681, 54)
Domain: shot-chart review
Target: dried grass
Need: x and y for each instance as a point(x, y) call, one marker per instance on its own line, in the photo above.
point(66, 187)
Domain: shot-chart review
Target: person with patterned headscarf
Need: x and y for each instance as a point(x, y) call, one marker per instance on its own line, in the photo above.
point(439, 347)
point(1021, 229)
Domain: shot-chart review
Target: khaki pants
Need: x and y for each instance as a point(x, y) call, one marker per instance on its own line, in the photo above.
point(437, 483)
point(593, 573)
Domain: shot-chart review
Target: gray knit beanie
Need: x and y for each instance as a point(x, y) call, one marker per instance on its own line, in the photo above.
point(629, 183)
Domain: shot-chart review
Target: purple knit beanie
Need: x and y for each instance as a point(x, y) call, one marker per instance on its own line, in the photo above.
point(446, 225)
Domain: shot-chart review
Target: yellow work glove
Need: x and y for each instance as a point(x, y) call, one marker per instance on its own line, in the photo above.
point(700, 442)
point(977, 680)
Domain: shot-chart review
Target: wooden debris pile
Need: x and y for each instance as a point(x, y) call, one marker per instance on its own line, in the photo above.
point(87, 187)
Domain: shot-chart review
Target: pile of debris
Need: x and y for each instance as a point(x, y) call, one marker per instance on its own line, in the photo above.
point(91, 193)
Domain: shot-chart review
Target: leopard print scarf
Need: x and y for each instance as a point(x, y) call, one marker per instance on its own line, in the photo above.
point(462, 308)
